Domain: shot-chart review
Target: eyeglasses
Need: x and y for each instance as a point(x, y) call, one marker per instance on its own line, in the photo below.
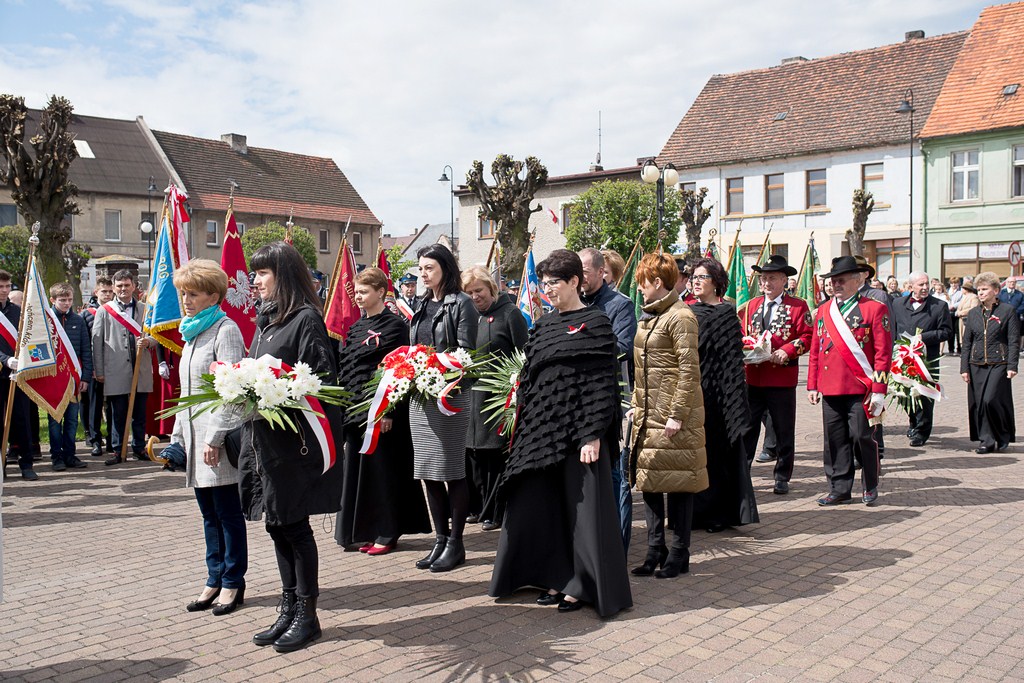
point(549, 284)
point(700, 278)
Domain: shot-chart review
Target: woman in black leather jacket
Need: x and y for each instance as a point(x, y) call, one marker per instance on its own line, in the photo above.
point(988, 361)
point(446, 321)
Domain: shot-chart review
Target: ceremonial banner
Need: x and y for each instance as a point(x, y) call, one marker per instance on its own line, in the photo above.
point(628, 285)
point(238, 304)
point(48, 369)
point(163, 303)
point(389, 295)
point(177, 200)
point(341, 311)
point(530, 301)
point(807, 287)
point(737, 292)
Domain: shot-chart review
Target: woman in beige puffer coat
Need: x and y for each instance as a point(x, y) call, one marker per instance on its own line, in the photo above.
point(667, 454)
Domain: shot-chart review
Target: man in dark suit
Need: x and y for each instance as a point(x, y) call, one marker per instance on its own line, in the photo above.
point(927, 316)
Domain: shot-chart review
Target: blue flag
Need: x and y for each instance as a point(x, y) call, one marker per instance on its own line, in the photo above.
point(531, 299)
point(164, 311)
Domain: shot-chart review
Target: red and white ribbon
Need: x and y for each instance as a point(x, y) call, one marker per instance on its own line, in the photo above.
point(575, 330)
point(452, 363)
point(313, 413)
point(910, 354)
point(378, 406)
point(372, 336)
point(130, 324)
point(9, 332)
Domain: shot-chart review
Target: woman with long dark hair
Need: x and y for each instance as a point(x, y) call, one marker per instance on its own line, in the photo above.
point(445, 321)
point(285, 475)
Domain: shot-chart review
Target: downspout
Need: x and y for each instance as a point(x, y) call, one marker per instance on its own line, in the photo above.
point(924, 213)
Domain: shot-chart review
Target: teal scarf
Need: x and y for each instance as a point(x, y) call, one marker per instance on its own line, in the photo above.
point(193, 325)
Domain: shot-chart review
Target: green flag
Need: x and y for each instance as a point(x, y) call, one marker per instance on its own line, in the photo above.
point(807, 285)
point(755, 284)
point(628, 286)
point(737, 292)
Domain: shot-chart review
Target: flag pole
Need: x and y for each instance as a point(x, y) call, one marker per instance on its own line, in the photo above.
point(735, 245)
point(630, 259)
point(490, 254)
point(750, 282)
point(522, 279)
point(33, 241)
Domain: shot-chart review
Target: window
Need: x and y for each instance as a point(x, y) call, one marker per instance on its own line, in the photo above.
point(357, 243)
point(965, 175)
point(112, 225)
point(8, 214)
point(485, 228)
point(959, 260)
point(688, 187)
point(774, 192)
point(211, 233)
point(325, 240)
point(871, 177)
point(890, 257)
point(151, 217)
point(241, 228)
point(565, 210)
point(734, 192)
point(816, 188)
point(1017, 189)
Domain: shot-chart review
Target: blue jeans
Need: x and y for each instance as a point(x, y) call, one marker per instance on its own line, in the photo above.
point(62, 435)
point(227, 551)
point(620, 486)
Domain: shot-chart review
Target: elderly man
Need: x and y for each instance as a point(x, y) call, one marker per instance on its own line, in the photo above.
point(927, 316)
point(116, 340)
point(619, 310)
point(851, 349)
point(1013, 296)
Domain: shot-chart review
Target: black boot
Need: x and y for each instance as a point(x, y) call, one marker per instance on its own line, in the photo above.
point(656, 555)
point(284, 620)
point(435, 553)
point(678, 562)
point(304, 629)
point(454, 554)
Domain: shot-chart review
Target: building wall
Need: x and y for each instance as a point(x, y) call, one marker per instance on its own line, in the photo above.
point(986, 225)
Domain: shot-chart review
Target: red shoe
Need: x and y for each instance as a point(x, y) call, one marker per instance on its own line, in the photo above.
point(366, 548)
point(384, 550)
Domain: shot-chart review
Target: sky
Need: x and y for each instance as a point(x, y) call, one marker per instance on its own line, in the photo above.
point(393, 91)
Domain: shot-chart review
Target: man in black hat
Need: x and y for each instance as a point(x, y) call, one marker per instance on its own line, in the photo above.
point(882, 297)
point(408, 303)
point(772, 384)
point(851, 349)
point(927, 316)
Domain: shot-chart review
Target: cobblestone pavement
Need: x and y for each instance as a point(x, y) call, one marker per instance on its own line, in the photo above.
point(927, 585)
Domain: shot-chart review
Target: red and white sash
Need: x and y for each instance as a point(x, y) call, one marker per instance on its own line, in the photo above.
point(9, 332)
point(850, 351)
point(404, 308)
point(129, 324)
point(66, 342)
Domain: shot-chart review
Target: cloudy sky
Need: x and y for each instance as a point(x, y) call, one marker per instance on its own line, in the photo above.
point(395, 90)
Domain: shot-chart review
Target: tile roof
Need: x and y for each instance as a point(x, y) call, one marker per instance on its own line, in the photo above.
point(972, 99)
point(845, 101)
point(270, 181)
point(124, 158)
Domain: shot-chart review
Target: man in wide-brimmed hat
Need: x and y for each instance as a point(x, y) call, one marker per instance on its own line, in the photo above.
point(851, 349)
point(772, 384)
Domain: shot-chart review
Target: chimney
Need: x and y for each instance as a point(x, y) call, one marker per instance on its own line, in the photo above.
point(236, 142)
point(794, 60)
point(913, 35)
point(596, 167)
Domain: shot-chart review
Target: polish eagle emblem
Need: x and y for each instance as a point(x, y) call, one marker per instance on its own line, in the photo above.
point(239, 294)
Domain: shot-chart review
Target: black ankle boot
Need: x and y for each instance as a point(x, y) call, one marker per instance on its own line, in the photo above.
point(454, 554)
point(678, 562)
point(284, 620)
point(435, 553)
point(304, 629)
point(655, 558)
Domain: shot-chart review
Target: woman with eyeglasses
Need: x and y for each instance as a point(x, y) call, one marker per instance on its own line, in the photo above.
point(729, 499)
point(561, 529)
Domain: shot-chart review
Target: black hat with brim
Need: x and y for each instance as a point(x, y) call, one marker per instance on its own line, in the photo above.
point(776, 264)
point(864, 262)
point(846, 264)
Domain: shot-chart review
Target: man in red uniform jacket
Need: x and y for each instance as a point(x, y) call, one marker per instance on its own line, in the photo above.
point(851, 350)
point(772, 384)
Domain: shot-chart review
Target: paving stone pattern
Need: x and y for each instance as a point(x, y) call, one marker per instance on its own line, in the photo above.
point(927, 585)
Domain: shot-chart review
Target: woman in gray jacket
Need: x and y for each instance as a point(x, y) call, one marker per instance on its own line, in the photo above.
point(211, 336)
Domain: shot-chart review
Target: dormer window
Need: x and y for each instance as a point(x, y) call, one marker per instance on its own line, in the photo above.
point(1011, 89)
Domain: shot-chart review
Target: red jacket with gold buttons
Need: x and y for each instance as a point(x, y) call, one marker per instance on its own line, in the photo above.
point(791, 331)
point(828, 373)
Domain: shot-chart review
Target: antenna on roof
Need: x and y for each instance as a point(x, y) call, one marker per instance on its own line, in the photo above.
point(596, 166)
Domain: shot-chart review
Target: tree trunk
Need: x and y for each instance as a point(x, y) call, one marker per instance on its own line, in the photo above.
point(50, 260)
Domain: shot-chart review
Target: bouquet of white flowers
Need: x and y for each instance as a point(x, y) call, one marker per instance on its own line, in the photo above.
point(265, 386)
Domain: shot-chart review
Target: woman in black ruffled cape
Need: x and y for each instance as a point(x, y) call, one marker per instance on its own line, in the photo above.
point(380, 500)
point(561, 526)
point(729, 499)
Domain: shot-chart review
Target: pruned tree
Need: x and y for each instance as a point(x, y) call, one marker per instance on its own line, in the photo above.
point(397, 261)
point(694, 216)
point(507, 203)
point(76, 256)
point(863, 205)
point(37, 174)
point(617, 213)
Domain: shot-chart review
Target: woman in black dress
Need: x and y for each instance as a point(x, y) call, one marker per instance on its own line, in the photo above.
point(285, 475)
point(446, 321)
point(501, 330)
point(380, 500)
point(729, 499)
point(989, 356)
point(561, 529)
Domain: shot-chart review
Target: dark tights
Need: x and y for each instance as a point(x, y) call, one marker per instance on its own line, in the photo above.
point(448, 501)
point(297, 558)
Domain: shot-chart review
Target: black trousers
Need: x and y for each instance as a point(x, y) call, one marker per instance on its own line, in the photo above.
point(848, 436)
point(488, 464)
point(680, 518)
point(954, 344)
point(770, 446)
point(779, 404)
point(94, 415)
point(119, 416)
point(19, 436)
point(921, 420)
point(297, 557)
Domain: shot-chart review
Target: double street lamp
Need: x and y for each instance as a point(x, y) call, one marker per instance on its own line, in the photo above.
point(445, 178)
point(650, 173)
point(907, 107)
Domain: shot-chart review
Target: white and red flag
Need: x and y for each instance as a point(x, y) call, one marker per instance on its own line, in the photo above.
point(238, 303)
point(341, 310)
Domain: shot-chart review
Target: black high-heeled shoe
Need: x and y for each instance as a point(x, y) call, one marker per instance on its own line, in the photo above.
point(656, 555)
point(222, 608)
point(678, 562)
point(200, 605)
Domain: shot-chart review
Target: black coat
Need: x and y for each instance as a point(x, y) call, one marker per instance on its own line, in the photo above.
point(931, 317)
point(81, 341)
point(279, 476)
point(500, 330)
point(454, 324)
point(991, 340)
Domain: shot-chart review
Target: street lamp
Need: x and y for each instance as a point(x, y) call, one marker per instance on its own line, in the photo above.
point(146, 226)
point(451, 189)
point(650, 173)
point(907, 107)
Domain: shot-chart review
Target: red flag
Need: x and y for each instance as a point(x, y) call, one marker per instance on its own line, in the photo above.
point(389, 296)
point(341, 311)
point(554, 216)
point(238, 303)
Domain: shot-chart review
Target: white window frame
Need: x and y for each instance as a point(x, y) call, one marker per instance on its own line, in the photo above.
point(216, 233)
point(1016, 165)
point(106, 214)
point(966, 169)
point(325, 238)
point(564, 209)
point(240, 227)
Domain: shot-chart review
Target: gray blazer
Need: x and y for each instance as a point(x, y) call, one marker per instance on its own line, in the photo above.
point(112, 357)
point(223, 342)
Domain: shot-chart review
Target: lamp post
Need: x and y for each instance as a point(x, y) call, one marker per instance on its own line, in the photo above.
point(451, 191)
point(907, 107)
point(146, 227)
point(650, 173)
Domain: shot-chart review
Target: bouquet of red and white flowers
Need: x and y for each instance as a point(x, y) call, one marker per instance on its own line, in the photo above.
point(757, 349)
point(265, 386)
point(911, 375)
